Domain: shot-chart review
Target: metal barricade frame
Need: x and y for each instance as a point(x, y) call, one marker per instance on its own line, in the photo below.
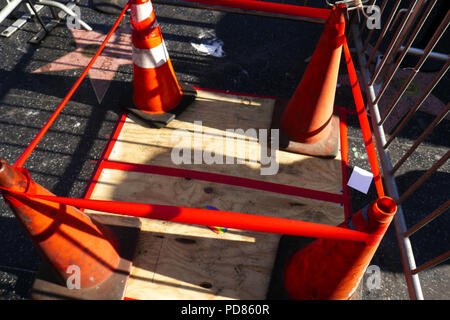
point(387, 64)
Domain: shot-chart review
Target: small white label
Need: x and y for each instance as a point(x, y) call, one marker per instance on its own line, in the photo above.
point(360, 180)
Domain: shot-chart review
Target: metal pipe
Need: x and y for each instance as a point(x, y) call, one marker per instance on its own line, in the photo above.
point(419, 140)
point(66, 10)
point(424, 177)
point(436, 213)
point(6, 11)
point(238, 11)
point(397, 16)
point(400, 31)
point(404, 34)
point(29, 9)
point(418, 103)
point(431, 44)
point(410, 41)
point(37, 15)
point(432, 263)
point(407, 255)
point(16, 25)
point(434, 55)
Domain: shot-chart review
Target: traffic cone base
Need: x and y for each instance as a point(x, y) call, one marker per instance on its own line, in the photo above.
point(328, 147)
point(160, 120)
point(48, 286)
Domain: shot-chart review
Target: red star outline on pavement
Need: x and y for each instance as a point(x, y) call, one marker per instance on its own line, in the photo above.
point(117, 52)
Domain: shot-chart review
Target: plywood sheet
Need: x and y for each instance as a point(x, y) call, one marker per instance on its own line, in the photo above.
point(180, 261)
point(217, 113)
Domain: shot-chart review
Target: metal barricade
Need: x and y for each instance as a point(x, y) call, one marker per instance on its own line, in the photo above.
point(380, 53)
point(33, 8)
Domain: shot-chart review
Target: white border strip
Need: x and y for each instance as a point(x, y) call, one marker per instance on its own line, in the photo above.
point(150, 58)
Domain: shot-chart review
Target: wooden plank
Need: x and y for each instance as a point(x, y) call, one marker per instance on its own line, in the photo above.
point(179, 261)
point(219, 112)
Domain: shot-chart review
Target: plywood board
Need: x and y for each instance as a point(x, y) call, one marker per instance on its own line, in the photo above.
point(217, 113)
point(179, 261)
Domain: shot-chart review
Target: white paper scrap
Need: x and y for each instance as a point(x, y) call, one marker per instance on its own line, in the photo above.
point(360, 180)
point(211, 47)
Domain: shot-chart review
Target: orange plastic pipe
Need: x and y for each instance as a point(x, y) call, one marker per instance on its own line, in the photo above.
point(24, 156)
point(206, 217)
point(363, 121)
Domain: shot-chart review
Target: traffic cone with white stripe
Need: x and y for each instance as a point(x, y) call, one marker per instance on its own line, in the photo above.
point(307, 124)
point(79, 250)
point(158, 97)
point(332, 269)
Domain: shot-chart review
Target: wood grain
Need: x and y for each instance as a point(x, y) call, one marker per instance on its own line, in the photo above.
point(219, 112)
point(181, 261)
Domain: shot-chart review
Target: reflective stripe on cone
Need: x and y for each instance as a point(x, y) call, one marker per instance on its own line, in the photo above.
point(142, 14)
point(150, 58)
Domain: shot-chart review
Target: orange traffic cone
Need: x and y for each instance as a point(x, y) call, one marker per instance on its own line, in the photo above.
point(307, 124)
point(69, 241)
point(332, 269)
point(158, 97)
